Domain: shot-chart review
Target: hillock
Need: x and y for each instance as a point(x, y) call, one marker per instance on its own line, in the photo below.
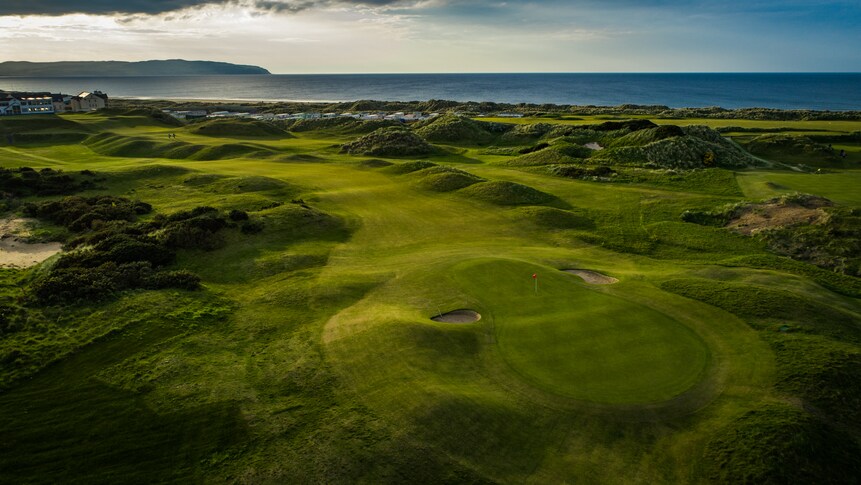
point(113, 145)
point(459, 129)
point(445, 179)
point(785, 148)
point(388, 142)
point(780, 444)
point(507, 193)
point(562, 153)
point(228, 127)
point(340, 125)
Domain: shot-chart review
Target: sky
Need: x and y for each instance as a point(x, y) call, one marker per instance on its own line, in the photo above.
point(394, 36)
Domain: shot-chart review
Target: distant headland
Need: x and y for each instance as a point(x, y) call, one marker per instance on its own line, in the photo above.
point(171, 67)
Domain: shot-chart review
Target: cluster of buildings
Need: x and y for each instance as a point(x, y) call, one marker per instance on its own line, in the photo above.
point(400, 116)
point(18, 103)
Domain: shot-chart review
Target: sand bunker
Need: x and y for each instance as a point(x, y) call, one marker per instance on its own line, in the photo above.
point(15, 252)
point(592, 277)
point(458, 316)
point(593, 146)
point(18, 254)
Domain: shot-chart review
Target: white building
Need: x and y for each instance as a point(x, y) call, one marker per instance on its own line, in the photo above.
point(87, 101)
point(26, 104)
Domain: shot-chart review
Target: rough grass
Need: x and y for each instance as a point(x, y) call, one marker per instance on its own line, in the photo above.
point(770, 309)
point(780, 444)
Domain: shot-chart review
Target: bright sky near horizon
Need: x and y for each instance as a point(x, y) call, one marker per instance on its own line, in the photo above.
point(391, 36)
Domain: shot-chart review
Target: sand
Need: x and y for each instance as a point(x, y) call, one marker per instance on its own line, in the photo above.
point(17, 253)
point(458, 316)
point(592, 277)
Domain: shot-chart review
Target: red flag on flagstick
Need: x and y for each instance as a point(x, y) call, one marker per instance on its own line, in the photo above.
point(535, 275)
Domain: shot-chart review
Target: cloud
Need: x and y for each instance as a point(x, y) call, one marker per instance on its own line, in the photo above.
point(155, 7)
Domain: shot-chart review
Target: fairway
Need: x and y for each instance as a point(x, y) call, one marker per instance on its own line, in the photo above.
point(581, 343)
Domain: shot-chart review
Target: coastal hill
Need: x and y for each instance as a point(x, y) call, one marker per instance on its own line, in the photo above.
point(171, 67)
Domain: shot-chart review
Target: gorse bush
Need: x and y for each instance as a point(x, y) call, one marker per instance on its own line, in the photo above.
point(118, 253)
point(25, 181)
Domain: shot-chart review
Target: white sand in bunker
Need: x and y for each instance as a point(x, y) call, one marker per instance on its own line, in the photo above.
point(15, 252)
point(458, 316)
point(592, 277)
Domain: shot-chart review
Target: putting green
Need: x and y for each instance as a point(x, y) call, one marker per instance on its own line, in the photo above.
point(573, 341)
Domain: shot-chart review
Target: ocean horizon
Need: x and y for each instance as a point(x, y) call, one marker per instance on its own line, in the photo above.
point(815, 91)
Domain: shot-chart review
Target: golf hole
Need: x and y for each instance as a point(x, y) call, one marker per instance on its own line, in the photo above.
point(458, 316)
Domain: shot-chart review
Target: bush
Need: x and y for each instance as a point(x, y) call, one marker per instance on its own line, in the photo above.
point(237, 215)
point(251, 227)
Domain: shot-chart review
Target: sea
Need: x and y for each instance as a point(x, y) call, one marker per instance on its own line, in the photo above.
point(816, 91)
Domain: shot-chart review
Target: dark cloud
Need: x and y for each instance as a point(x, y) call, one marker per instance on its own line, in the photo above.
point(154, 7)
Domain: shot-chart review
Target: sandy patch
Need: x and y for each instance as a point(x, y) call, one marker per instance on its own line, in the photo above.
point(593, 146)
point(592, 277)
point(458, 316)
point(761, 217)
point(15, 252)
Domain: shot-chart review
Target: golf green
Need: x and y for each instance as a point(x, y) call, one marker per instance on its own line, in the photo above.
point(575, 341)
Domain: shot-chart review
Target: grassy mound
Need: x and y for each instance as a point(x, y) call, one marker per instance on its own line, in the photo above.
point(113, 145)
point(840, 283)
point(683, 152)
point(769, 308)
point(552, 155)
point(375, 163)
point(797, 149)
point(458, 129)
point(408, 167)
point(825, 373)
point(780, 444)
point(64, 138)
point(38, 123)
point(146, 115)
point(582, 173)
point(340, 125)
point(232, 127)
point(389, 142)
point(230, 150)
point(552, 218)
point(507, 193)
point(649, 135)
point(526, 133)
point(445, 179)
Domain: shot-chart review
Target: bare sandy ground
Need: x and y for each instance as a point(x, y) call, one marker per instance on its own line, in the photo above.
point(458, 316)
point(15, 252)
point(592, 277)
point(762, 217)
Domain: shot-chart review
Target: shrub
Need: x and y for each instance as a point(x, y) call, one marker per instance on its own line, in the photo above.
point(237, 215)
point(251, 227)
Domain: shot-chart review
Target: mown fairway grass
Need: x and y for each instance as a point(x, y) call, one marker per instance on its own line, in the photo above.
point(310, 355)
